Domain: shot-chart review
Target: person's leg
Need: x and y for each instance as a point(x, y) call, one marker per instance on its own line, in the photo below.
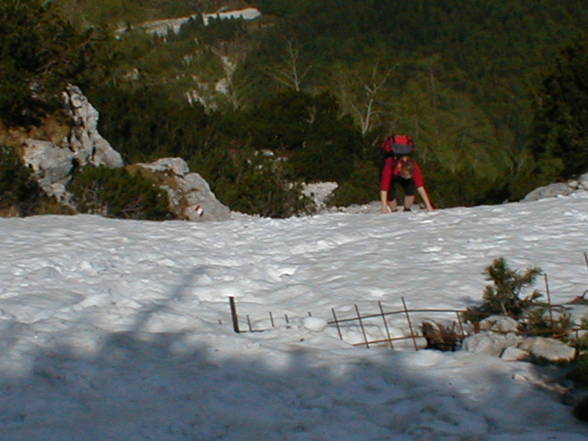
point(408, 201)
point(392, 196)
point(409, 193)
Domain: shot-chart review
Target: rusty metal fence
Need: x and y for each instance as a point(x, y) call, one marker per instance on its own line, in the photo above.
point(346, 326)
point(353, 329)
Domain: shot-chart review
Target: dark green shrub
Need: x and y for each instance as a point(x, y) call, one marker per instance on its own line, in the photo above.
point(250, 182)
point(504, 296)
point(117, 193)
point(145, 124)
point(321, 144)
point(360, 188)
point(559, 138)
point(40, 53)
point(540, 323)
point(581, 410)
point(17, 187)
point(579, 372)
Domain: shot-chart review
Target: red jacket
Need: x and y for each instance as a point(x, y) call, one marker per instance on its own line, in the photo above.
point(392, 169)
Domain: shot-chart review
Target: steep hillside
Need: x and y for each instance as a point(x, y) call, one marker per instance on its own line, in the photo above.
point(317, 84)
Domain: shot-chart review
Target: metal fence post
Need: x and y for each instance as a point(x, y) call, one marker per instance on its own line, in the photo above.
point(416, 348)
point(234, 315)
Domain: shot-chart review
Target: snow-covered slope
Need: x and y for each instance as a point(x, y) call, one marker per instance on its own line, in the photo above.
point(120, 330)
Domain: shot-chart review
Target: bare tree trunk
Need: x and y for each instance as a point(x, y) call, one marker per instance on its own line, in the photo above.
point(289, 73)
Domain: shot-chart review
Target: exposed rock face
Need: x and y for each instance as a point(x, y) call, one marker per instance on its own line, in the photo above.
point(53, 164)
point(88, 146)
point(558, 189)
point(52, 167)
point(189, 194)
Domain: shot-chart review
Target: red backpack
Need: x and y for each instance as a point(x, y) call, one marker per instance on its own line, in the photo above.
point(398, 145)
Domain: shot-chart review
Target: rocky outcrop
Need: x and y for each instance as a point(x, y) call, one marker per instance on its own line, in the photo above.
point(558, 189)
point(52, 167)
point(87, 145)
point(52, 164)
point(499, 338)
point(190, 195)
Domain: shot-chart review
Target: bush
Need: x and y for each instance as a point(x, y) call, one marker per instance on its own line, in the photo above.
point(579, 372)
point(40, 53)
point(540, 323)
point(250, 182)
point(17, 187)
point(559, 138)
point(504, 296)
point(360, 188)
point(117, 193)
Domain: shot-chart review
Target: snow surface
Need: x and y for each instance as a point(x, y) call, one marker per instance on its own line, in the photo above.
point(116, 330)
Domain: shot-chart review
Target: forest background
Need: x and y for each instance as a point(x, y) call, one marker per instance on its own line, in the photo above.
point(495, 93)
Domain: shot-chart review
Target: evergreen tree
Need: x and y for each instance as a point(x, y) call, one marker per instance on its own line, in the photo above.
point(39, 54)
point(560, 136)
point(17, 187)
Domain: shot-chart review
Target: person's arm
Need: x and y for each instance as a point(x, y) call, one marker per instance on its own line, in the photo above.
point(385, 208)
point(419, 180)
point(385, 185)
point(425, 197)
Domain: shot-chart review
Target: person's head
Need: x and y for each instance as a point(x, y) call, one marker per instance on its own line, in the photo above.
point(406, 167)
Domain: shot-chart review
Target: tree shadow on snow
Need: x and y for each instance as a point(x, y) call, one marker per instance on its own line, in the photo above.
point(143, 386)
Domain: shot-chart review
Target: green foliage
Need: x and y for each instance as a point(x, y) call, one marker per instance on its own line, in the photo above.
point(581, 410)
point(460, 78)
point(144, 124)
point(540, 323)
point(579, 372)
point(359, 188)
point(456, 146)
point(504, 296)
point(322, 144)
point(459, 75)
point(560, 135)
point(253, 183)
point(118, 12)
point(119, 194)
point(39, 53)
point(17, 187)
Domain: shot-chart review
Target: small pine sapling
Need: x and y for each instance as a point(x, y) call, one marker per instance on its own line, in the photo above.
point(504, 296)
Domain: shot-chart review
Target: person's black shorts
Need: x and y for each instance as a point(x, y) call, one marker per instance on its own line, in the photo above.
point(407, 185)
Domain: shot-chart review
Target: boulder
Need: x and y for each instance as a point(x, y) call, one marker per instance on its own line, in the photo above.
point(490, 343)
point(51, 166)
point(190, 195)
point(499, 323)
point(550, 191)
point(548, 349)
point(583, 181)
point(512, 353)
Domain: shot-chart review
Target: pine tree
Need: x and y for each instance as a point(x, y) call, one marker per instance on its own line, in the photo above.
point(560, 136)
